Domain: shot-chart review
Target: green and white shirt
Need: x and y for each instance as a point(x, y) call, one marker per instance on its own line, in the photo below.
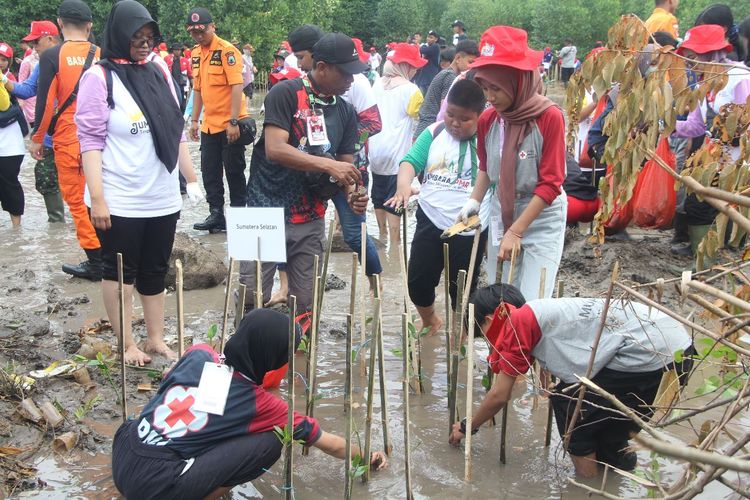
point(450, 170)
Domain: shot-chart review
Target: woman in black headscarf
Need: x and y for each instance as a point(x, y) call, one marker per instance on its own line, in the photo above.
point(131, 133)
point(175, 450)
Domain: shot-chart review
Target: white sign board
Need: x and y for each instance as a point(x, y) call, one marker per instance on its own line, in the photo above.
point(245, 225)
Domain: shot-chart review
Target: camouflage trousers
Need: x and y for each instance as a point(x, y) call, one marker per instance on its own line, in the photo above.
point(45, 173)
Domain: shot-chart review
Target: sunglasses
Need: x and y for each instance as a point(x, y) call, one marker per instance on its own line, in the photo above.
point(143, 41)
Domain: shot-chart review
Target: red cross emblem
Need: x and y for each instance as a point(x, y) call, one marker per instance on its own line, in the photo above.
point(522, 155)
point(176, 416)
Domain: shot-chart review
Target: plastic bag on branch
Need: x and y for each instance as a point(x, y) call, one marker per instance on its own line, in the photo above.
point(654, 199)
point(622, 213)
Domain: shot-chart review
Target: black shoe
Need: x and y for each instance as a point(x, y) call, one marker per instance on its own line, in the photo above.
point(682, 249)
point(680, 229)
point(90, 269)
point(618, 456)
point(214, 223)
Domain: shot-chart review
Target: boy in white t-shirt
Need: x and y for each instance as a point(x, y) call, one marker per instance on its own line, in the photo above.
point(445, 153)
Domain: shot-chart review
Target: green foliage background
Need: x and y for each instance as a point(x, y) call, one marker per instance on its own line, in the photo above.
point(264, 23)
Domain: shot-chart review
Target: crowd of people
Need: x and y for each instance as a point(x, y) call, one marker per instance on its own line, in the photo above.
point(464, 127)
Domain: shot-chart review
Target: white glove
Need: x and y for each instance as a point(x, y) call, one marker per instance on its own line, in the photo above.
point(471, 207)
point(194, 193)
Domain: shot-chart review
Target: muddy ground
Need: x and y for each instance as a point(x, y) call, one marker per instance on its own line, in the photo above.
point(46, 316)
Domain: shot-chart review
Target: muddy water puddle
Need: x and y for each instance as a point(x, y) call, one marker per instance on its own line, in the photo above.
point(30, 260)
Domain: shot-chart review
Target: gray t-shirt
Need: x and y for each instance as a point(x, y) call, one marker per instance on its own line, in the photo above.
point(568, 56)
point(635, 339)
point(437, 91)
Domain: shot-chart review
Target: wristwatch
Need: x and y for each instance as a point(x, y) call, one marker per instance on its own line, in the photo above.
point(233, 122)
point(462, 428)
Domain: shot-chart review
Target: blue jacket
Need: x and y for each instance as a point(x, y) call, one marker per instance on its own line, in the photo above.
point(28, 89)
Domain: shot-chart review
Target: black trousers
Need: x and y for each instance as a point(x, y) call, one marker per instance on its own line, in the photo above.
point(426, 261)
point(146, 246)
point(215, 153)
point(11, 192)
point(155, 472)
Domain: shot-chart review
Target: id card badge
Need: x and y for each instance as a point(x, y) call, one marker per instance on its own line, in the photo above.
point(317, 134)
point(496, 231)
point(213, 388)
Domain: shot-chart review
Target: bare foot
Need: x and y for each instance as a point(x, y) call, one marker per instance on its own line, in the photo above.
point(134, 356)
point(159, 347)
point(435, 324)
point(280, 297)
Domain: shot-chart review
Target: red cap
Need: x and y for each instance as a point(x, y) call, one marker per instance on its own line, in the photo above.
point(407, 53)
point(163, 46)
point(360, 50)
point(284, 74)
point(40, 29)
point(373, 49)
point(6, 51)
point(507, 46)
point(705, 38)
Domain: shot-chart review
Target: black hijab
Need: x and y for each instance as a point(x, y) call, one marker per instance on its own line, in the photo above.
point(146, 83)
point(260, 345)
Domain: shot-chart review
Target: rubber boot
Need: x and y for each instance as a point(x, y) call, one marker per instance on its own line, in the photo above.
point(214, 223)
point(697, 233)
point(90, 269)
point(55, 207)
point(681, 234)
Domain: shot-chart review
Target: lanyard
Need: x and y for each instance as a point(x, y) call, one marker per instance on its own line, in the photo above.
point(311, 97)
point(471, 145)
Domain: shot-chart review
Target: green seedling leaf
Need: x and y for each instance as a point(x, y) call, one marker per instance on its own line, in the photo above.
point(679, 355)
point(486, 382)
point(397, 352)
point(463, 351)
point(368, 320)
point(212, 330)
point(424, 331)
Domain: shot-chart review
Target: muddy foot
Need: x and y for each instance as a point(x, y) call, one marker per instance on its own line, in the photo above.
point(134, 356)
point(434, 325)
point(159, 347)
point(280, 297)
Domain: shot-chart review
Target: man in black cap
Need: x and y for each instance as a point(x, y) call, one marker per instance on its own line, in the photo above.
point(302, 40)
point(459, 31)
point(60, 69)
point(217, 92)
point(309, 135)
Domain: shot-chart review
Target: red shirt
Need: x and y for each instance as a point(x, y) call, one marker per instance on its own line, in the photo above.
point(513, 338)
point(551, 124)
point(186, 67)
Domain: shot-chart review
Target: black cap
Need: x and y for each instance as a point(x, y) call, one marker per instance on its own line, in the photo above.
point(198, 16)
point(175, 46)
point(75, 10)
point(433, 33)
point(458, 23)
point(339, 49)
point(304, 37)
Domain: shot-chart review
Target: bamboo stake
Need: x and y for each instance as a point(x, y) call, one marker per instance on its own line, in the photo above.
point(324, 274)
point(407, 441)
point(239, 310)
point(288, 476)
point(381, 371)
point(121, 340)
point(416, 343)
point(312, 350)
point(548, 429)
point(470, 272)
point(258, 280)
point(349, 332)
point(447, 282)
point(469, 394)
point(594, 348)
point(414, 348)
point(371, 388)
point(363, 301)
point(457, 326)
point(348, 404)
point(537, 370)
point(226, 306)
point(180, 309)
point(503, 432)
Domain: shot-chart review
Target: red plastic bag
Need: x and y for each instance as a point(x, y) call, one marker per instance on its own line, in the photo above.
point(584, 160)
point(272, 379)
point(654, 198)
point(621, 215)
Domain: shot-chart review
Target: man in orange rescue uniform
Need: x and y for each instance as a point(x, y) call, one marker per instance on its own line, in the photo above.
point(217, 90)
point(60, 69)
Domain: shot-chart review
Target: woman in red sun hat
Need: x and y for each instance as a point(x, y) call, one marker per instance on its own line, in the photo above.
point(521, 147)
point(398, 101)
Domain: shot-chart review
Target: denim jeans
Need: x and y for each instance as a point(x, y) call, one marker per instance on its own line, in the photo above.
point(351, 227)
